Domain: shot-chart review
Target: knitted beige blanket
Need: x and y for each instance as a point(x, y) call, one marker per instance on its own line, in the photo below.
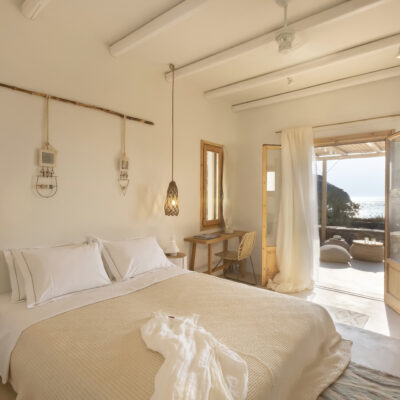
point(96, 352)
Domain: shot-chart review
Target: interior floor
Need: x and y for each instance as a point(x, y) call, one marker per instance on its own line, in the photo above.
point(378, 317)
point(360, 277)
point(6, 392)
point(373, 327)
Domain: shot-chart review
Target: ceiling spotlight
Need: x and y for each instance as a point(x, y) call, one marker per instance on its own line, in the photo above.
point(398, 54)
point(285, 36)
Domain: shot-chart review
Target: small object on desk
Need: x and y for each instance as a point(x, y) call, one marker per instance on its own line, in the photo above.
point(207, 236)
point(180, 260)
point(228, 228)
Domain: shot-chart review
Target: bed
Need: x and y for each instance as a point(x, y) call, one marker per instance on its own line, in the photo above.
point(88, 344)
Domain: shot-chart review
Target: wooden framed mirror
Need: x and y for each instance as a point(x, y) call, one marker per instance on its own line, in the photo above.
point(211, 194)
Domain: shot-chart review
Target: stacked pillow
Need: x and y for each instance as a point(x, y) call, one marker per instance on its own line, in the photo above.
point(38, 275)
point(41, 274)
point(128, 258)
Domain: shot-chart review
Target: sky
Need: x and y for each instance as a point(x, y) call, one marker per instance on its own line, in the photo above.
point(359, 177)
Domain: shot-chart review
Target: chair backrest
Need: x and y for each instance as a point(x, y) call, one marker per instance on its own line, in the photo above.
point(246, 245)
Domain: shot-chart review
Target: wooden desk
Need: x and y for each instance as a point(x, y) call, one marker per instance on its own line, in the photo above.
point(223, 237)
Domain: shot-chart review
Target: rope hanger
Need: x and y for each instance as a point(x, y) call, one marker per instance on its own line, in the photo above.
point(123, 139)
point(46, 132)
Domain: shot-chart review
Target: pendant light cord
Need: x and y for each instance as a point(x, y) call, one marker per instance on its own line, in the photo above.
point(172, 67)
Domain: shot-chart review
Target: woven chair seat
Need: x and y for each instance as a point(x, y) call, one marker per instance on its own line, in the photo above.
point(239, 256)
point(228, 255)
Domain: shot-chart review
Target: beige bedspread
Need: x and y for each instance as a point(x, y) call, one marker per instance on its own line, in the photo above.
point(96, 352)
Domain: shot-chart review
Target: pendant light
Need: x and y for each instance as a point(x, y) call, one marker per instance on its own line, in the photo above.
point(171, 206)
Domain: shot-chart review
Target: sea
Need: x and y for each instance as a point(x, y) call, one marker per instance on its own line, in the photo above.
point(370, 207)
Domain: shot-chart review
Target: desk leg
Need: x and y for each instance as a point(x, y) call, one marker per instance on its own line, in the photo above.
point(225, 245)
point(192, 256)
point(210, 258)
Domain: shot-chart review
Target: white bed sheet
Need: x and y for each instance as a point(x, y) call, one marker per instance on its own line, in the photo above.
point(16, 317)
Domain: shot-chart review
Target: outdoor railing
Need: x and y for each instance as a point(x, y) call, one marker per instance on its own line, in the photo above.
point(350, 234)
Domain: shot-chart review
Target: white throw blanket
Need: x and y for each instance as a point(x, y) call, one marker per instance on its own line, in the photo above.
point(196, 366)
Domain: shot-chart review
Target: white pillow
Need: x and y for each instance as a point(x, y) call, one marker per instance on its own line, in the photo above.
point(52, 272)
point(128, 258)
point(16, 278)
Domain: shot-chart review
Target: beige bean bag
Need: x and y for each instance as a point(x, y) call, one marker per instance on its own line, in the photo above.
point(338, 242)
point(334, 254)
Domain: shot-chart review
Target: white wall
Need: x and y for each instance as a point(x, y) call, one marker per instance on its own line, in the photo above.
point(88, 142)
point(60, 60)
point(258, 126)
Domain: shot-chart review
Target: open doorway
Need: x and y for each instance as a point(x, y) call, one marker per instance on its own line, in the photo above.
point(351, 197)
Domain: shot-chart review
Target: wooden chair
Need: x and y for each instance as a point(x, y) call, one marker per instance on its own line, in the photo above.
point(238, 256)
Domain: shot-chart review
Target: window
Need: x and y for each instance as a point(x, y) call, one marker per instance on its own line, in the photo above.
point(211, 166)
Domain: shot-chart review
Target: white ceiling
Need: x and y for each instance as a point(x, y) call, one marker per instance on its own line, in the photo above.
point(220, 24)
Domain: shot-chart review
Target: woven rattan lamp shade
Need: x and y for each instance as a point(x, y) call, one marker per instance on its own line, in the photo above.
point(171, 206)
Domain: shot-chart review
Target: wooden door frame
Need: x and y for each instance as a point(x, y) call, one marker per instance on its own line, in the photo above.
point(332, 141)
point(268, 253)
point(375, 136)
point(390, 300)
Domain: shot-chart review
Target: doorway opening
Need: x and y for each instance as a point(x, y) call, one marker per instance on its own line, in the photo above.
point(351, 200)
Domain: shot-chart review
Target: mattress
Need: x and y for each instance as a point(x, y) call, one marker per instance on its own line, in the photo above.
point(96, 351)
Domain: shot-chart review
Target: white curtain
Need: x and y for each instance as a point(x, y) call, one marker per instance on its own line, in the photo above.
point(297, 236)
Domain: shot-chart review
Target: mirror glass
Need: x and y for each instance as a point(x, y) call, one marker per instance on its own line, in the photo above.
point(212, 187)
point(211, 195)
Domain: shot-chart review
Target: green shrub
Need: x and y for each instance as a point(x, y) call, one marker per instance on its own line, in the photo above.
point(340, 209)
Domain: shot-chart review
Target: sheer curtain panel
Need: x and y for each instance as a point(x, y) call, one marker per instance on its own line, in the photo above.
point(297, 237)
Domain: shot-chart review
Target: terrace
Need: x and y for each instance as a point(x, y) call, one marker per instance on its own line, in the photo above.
point(361, 277)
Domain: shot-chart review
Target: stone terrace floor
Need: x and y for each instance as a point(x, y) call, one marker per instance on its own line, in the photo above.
point(360, 277)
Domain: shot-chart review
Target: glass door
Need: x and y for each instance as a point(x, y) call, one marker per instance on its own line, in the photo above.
point(271, 201)
point(392, 256)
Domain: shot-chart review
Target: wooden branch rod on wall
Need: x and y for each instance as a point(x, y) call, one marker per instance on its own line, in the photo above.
point(352, 122)
point(76, 103)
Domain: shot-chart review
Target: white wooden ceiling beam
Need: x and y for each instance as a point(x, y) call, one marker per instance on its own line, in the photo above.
point(329, 16)
point(164, 21)
point(308, 66)
point(374, 147)
point(322, 88)
point(349, 156)
point(339, 150)
point(31, 8)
